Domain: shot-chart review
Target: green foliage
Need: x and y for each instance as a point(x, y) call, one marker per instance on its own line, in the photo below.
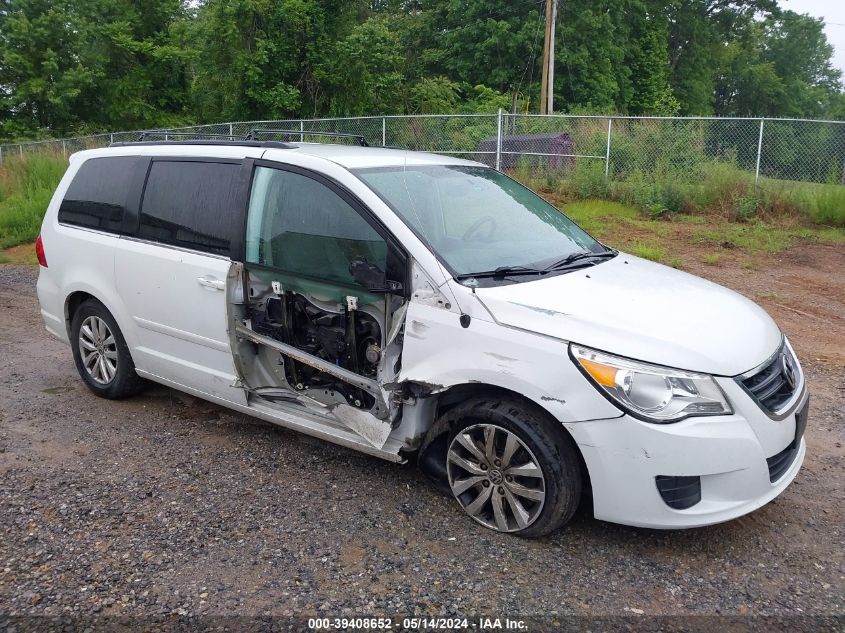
point(588, 180)
point(26, 186)
point(69, 66)
point(648, 251)
point(365, 74)
point(73, 66)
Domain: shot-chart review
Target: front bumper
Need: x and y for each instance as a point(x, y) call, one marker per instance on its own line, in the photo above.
point(728, 453)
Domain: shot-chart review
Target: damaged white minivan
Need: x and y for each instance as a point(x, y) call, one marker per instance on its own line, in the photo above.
point(417, 306)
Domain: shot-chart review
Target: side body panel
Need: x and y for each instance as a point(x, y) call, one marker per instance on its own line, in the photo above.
point(79, 260)
point(176, 307)
point(441, 353)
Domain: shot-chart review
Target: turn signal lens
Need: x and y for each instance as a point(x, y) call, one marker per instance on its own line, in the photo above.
point(605, 375)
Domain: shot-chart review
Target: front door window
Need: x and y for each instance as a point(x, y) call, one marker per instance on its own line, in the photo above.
point(301, 227)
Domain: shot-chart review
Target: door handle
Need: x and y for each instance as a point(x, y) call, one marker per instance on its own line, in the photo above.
point(212, 283)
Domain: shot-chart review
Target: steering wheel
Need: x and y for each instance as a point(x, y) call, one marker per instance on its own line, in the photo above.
point(476, 226)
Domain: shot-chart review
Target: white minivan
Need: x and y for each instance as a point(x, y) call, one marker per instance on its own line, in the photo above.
point(417, 306)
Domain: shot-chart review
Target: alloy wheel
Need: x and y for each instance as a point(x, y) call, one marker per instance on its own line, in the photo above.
point(98, 349)
point(495, 477)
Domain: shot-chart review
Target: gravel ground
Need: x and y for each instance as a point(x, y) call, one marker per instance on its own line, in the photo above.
point(166, 505)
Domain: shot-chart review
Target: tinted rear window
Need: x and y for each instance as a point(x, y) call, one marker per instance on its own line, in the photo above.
point(98, 194)
point(191, 204)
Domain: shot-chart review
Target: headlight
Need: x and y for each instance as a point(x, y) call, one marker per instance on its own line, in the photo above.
point(651, 392)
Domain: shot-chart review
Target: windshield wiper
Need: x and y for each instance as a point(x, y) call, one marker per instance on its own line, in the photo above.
point(501, 272)
point(577, 257)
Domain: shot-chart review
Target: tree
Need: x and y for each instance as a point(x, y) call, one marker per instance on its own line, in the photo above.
point(71, 66)
point(644, 74)
point(42, 75)
point(364, 74)
point(140, 53)
point(798, 50)
point(698, 32)
point(588, 56)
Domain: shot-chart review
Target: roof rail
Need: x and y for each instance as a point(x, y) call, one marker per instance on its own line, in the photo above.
point(143, 136)
point(198, 138)
point(226, 141)
point(358, 137)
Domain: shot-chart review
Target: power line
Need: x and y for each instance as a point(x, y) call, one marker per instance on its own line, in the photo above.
point(530, 64)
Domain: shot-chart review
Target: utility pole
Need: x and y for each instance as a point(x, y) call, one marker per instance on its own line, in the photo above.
point(547, 83)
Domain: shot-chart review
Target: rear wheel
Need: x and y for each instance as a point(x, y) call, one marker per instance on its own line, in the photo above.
point(511, 468)
point(100, 352)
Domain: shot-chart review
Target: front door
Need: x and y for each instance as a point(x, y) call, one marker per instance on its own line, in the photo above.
point(319, 268)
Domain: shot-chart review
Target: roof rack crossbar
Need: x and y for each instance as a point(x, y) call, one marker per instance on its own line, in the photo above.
point(358, 137)
point(197, 135)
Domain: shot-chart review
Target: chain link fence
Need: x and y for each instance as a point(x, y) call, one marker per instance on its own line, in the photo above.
point(615, 149)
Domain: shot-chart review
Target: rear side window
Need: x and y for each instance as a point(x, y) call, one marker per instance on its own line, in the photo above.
point(191, 204)
point(99, 192)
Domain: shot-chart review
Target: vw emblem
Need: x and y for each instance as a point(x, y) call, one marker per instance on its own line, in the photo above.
point(788, 367)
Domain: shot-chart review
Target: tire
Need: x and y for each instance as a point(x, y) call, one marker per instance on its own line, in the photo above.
point(100, 353)
point(532, 477)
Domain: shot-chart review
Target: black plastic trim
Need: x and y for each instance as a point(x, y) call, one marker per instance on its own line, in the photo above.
point(267, 144)
point(679, 492)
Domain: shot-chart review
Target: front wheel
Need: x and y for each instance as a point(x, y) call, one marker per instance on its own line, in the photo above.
point(511, 468)
point(100, 352)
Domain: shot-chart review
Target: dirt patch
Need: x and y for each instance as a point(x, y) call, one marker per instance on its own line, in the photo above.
point(22, 254)
point(803, 288)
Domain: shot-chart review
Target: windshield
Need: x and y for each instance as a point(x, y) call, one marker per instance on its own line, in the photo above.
point(477, 219)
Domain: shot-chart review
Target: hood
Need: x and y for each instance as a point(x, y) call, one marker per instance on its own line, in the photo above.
point(635, 308)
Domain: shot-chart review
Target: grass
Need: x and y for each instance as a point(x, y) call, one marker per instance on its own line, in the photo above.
point(642, 234)
point(648, 251)
point(706, 187)
point(26, 186)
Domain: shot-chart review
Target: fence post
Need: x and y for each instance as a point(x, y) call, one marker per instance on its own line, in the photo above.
point(759, 152)
point(64, 148)
point(607, 151)
point(20, 147)
point(231, 133)
point(301, 131)
point(499, 140)
point(383, 131)
point(1, 154)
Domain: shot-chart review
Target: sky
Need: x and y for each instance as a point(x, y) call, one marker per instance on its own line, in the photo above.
point(833, 12)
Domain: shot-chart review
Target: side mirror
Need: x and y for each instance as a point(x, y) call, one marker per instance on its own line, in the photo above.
point(373, 278)
point(366, 274)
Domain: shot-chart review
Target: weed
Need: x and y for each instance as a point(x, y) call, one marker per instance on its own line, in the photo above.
point(711, 258)
point(647, 251)
point(26, 186)
point(746, 207)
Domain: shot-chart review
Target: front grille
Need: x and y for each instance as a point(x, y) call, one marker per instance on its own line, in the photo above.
point(679, 493)
point(775, 384)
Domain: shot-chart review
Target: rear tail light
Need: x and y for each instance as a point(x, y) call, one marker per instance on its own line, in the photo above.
point(39, 252)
